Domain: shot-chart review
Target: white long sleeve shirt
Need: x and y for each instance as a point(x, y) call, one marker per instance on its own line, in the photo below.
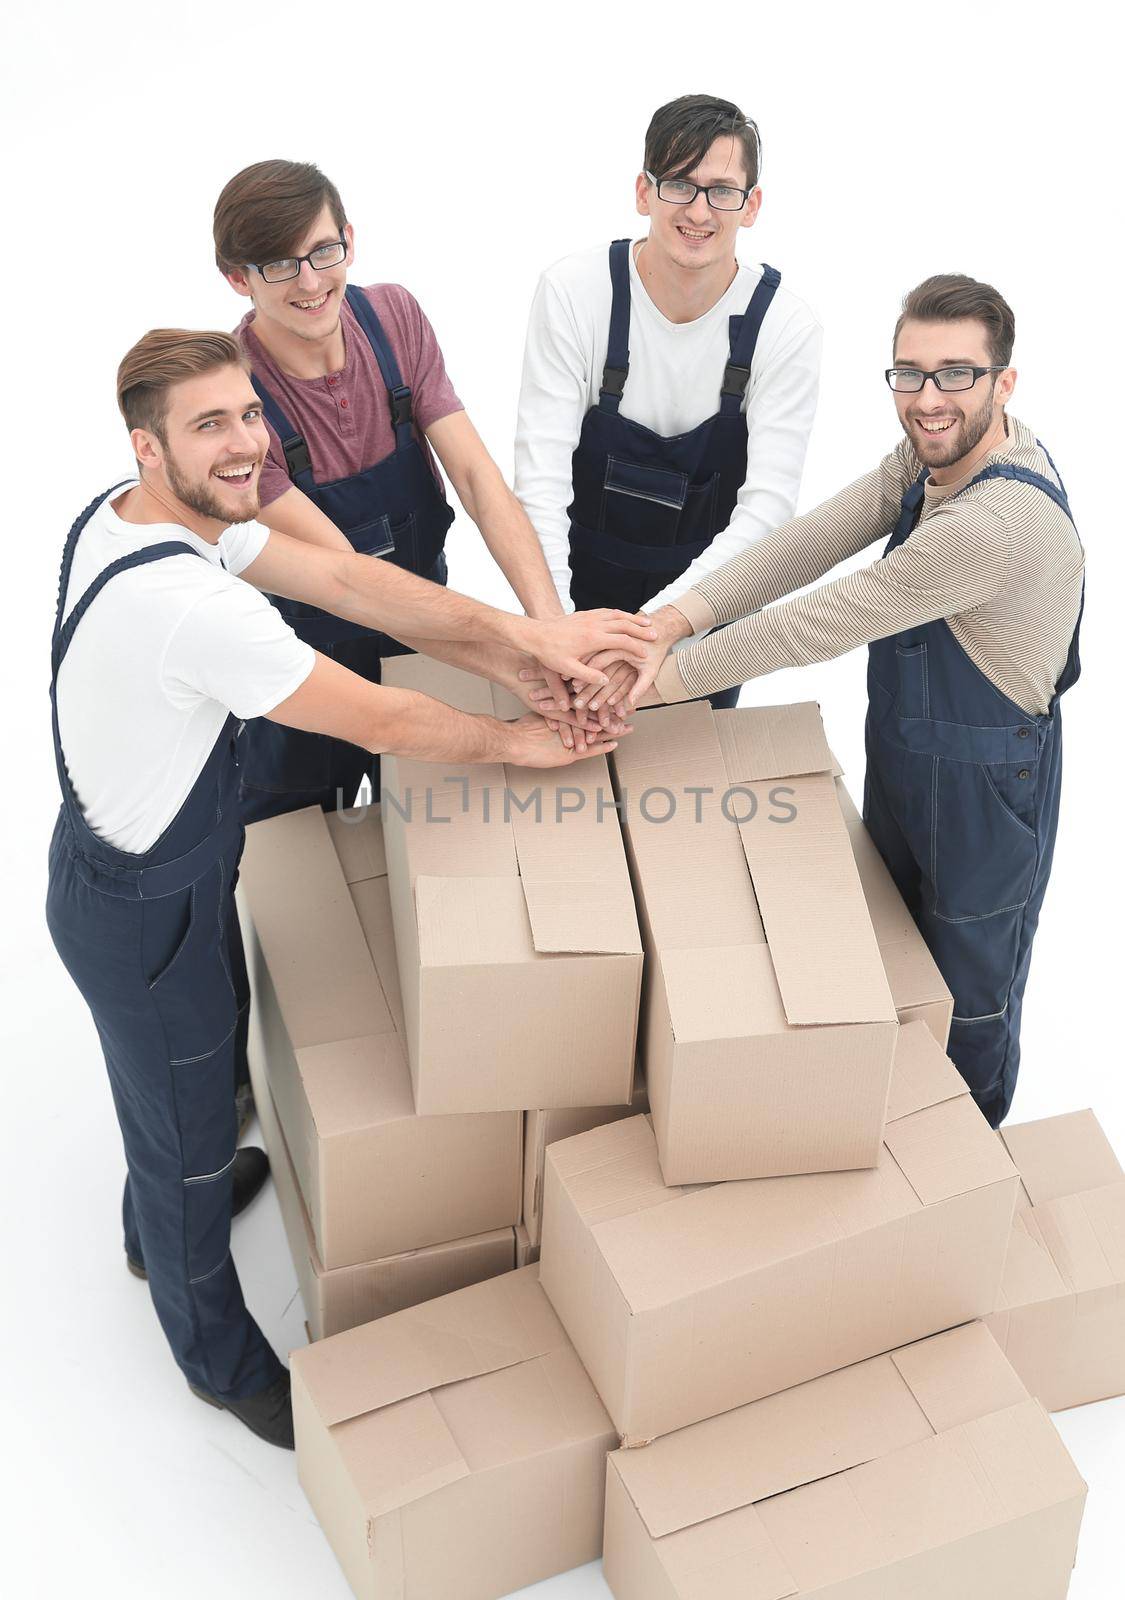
point(675, 375)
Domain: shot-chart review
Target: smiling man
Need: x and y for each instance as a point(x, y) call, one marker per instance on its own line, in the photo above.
point(357, 402)
point(162, 646)
point(668, 391)
point(972, 616)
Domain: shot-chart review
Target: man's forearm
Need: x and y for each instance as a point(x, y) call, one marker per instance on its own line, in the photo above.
point(511, 540)
point(384, 597)
point(414, 725)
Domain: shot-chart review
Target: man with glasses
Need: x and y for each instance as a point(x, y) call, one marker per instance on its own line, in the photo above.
point(355, 395)
point(668, 392)
point(972, 616)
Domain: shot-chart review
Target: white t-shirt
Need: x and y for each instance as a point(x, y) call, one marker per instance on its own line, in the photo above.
point(165, 652)
point(675, 374)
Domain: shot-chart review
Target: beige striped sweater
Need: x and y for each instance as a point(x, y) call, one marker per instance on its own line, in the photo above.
point(1002, 563)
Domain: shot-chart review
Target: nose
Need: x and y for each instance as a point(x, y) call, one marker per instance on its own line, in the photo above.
point(699, 211)
point(307, 278)
point(247, 437)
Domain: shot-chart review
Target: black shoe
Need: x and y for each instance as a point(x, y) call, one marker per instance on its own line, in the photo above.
point(269, 1413)
point(251, 1169)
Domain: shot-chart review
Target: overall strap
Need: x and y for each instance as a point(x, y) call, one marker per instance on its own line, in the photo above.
point(60, 644)
point(402, 401)
point(737, 373)
point(616, 368)
point(1005, 469)
point(296, 451)
point(68, 554)
point(909, 512)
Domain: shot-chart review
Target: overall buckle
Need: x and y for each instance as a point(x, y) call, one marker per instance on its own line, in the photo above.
point(402, 406)
point(735, 379)
point(297, 457)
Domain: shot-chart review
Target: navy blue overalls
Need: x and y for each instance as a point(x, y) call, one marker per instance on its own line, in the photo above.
point(962, 799)
point(645, 506)
point(393, 509)
point(152, 942)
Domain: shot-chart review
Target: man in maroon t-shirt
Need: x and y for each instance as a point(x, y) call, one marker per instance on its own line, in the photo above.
point(350, 457)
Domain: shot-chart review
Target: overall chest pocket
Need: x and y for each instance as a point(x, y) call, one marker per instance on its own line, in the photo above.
point(642, 504)
point(912, 694)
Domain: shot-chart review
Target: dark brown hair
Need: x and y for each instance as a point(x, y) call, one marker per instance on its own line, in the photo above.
point(952, 297)
point(265, 209)
point(681, 133)
point(163, 358)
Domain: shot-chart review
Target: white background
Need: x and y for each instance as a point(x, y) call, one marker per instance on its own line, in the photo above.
point(473, 146)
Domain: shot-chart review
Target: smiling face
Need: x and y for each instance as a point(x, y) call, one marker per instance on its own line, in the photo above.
point(945, 428)
point(213, 445)
point(697, 236)
point(308, 306)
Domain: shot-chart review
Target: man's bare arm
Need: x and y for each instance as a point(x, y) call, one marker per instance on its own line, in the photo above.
point(337, 702)
point(378, 595)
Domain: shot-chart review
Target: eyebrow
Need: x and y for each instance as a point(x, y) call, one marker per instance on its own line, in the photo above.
point(223, 411)
point(946, 361)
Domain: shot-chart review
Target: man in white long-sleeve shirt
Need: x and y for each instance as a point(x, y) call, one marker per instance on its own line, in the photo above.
point(668, 392)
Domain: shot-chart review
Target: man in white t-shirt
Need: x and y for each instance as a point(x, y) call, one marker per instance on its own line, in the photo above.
point(668, 391)
point(162, 645)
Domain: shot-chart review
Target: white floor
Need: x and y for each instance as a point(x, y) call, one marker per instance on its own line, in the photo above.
point(120, 1482)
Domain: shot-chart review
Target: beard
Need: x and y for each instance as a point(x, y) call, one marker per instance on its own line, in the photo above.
point(202, 499)
point(938, 453)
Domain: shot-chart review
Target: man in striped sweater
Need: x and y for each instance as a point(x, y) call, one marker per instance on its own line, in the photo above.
point(971, 615)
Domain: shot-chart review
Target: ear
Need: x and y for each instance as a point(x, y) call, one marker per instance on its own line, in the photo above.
point(146, 448)
point(644, 195)
point(1005, 385)
point(239, 281)
point(751, 208)
point(349, 240)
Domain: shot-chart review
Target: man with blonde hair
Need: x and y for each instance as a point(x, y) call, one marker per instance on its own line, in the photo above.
point(162, 647)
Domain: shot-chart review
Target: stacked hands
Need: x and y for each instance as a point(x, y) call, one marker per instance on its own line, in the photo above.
point(583, 675)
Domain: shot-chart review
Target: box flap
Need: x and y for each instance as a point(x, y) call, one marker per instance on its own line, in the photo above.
point(912, 974)
point(1062, 1155)
point(771, 1446)
point(611, 1170)
point(726, 992)
point(1085, 1234)
point(923, 1074)
point(820, 935)
point(959, 1375)
point(309, 932)
point(354, 1084)
point(470, 922)
point(1030, 1274)
point(572, 861)
point(948, 1149)
point(462, 690)
point(371, 898)
point(408, 1453)
point(732, 1558)
point(666, 1253)
point(763, 742)
point(480, 1329)
point(357, 835)
point(523, 1411)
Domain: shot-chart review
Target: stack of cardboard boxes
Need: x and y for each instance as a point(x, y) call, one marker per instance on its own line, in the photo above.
point(761, 1276)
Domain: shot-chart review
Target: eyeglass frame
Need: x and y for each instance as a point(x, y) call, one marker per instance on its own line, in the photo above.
point(701, 188)
point(254, 266)
point(952, 366)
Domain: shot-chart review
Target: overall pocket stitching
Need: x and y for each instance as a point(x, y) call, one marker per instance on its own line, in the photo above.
point(179, 950)
point(1004, 806)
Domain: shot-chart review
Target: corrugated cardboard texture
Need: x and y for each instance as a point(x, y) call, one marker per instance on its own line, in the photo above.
point(517, 937)
point(542, 1128)
point(454, 1451)
point(883, 1479)
point(1061, 1314)
point(769, 1024)
point(684, 1303)
point(347, 1296)
point(377, 1179)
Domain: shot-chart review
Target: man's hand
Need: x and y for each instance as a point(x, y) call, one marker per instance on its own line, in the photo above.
point(529, 742)
point(565, 644)
point(670, 625)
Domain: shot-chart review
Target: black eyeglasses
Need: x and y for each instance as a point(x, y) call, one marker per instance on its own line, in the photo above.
point(320, 259)
point(681, 192)
point(912, 380)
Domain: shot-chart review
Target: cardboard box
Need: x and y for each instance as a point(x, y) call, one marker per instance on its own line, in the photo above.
point(928, 1473)
point(517, 937)
point(1061, 1316)
point(526, 1252)
point(455, 1451)
point(542, 1128)
point(377, 1179)
point(768, 1026)
point(918, 989)
point(684, 1303)
point(346, 1296)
